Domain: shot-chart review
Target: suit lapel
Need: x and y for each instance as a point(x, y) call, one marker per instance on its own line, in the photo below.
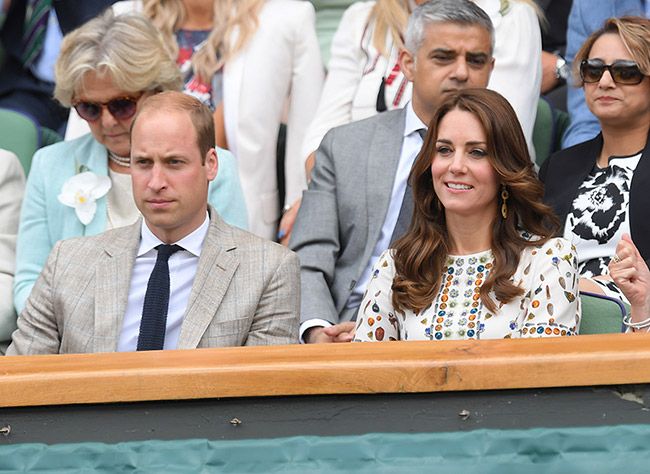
point(383, 158)
point(112, 284)
point(217, 265)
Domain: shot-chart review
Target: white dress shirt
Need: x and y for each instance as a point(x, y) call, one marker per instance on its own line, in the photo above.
point(411, 145)
point(182, 270)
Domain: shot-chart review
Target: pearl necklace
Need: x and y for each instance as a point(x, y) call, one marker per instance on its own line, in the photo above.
point(119, 160)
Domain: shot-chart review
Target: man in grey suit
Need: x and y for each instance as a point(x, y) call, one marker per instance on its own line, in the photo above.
point(352, 210)
point(181, 277)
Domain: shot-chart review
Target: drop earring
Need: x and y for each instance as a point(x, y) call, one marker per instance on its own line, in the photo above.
point(504, 207)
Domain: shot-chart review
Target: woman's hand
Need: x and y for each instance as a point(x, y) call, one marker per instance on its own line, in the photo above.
point(287, 221)
point(630, 273)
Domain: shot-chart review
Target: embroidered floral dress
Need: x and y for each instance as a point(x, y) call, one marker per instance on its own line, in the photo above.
point(549, 306)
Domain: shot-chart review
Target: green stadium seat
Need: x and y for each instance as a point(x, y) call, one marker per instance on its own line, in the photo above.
point(601, 314)
point(549, 127)
point(20, 134)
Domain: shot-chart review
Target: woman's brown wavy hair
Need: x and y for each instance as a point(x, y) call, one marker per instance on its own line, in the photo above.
point(420, 255)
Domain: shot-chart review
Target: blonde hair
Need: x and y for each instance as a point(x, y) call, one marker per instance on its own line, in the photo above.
point(390, 18)
point(232, 18)
point(128, 48)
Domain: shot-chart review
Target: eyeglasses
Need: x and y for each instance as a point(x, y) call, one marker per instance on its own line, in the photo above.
point(121, 108)
point(622, 71)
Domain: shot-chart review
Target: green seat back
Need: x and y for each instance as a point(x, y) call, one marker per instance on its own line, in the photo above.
point(549, 127)
point(328, 16)
point(19, 134)
point(543, 131)
point(601, 314)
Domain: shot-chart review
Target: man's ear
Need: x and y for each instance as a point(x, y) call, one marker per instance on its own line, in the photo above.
point(407, 64)
point(211, 164)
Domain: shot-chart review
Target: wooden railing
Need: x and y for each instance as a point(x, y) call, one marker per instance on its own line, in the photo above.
point(390, 367)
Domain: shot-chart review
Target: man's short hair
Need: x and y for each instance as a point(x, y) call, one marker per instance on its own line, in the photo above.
point(462, 12)
point(199, 114)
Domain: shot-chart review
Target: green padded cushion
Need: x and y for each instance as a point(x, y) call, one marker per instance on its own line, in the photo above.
point(328, 16)
point(19, 134)
point(601, 314)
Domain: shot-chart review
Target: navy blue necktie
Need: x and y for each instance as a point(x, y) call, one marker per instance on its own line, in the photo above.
point(406, 211)
point(156, 302)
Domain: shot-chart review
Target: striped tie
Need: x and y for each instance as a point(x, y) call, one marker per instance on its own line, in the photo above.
point(36, 16)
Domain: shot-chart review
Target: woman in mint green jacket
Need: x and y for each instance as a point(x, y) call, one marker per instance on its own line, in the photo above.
point(83, 187)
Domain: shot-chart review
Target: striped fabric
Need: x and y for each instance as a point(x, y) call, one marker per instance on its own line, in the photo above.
point(36, 16)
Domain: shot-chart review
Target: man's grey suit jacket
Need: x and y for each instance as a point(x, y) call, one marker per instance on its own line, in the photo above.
point(246, 292)
point(343, 210)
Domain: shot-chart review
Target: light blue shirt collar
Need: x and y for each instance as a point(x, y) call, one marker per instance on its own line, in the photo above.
point(412, 122)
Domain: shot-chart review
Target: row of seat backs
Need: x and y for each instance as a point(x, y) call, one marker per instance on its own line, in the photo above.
point(20, 134)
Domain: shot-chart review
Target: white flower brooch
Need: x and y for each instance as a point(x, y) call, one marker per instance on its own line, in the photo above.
point(81, 192)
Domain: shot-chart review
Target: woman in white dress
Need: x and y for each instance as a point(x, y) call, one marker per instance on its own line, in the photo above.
point(479, 260)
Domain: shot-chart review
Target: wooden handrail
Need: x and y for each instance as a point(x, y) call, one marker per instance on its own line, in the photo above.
point(388, 367)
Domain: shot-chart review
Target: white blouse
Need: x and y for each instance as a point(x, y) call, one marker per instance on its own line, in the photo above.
point(549, 306)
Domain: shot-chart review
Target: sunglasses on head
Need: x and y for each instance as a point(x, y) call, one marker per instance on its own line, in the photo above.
point(121, 108)
point(622, 71)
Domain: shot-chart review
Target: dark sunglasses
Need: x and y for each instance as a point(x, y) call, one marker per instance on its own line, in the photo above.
point(622, 71)
point(121, 108)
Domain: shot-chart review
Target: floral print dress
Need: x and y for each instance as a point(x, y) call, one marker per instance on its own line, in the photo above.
point(549, 306)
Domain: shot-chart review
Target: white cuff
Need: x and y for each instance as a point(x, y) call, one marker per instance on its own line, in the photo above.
point(312, 323)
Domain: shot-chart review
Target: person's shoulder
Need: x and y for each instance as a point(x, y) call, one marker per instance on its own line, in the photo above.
point(578, 147)
point(553, 247)
point(391, 118)
point(226, 158)
point(250, 245)
point(576, 156)
point(109, 238)
point(10, 167)
point(386, 261)
point(65, 151)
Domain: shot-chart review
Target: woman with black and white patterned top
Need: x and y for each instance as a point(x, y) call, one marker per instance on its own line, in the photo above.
point(599, 188)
